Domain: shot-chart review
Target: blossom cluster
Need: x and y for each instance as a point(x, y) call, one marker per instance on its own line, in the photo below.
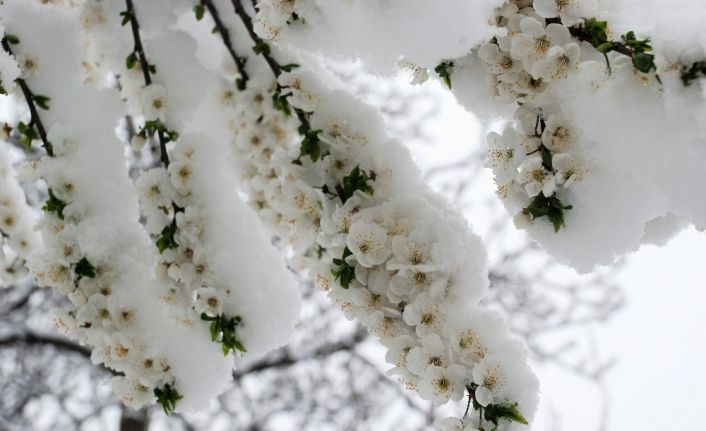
point(17, 236)
point(202, 230)
point(536, 161)
point(389, 252)
point(91, 244)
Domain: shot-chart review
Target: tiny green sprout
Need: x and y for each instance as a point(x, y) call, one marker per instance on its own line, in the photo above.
point(27, 135)
point(167, 397)
point(343, 270)
point(547, 161)
point(199, 11)
point(689, 74)
point(170, 135)
point(597, 31)
point(12, 39)
point(240, 84)
point(495, 413)
point(356, 180)
point(261, 47)
point(153, 126)
point(225, 330)
point(311, 144)
point(127, 16)
point(444, 70)
point(550, 207)
point(41, 101)
point(289, 67)
point(84, 268)
point(281, 103)
point(641, 59)
point(54, 205)
point(166, 238)
point(131, 60)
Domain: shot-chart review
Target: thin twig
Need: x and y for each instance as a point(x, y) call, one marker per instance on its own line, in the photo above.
point(274, 66)
point(144, 64)
point(35, 119)
point(225, 35)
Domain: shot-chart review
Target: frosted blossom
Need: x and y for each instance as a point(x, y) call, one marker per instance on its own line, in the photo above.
point(419, 74)
point(425, 314)
point(536, 178)
point(369, 243)
point(132, 392)
point(504, 156)
point(154, 102)
point(558, 136)
point(568, 169)
point(439, 384)
point(558, 62)
point(570, 11)
point(535, 40)
point(497, 62)
point(209, 301)
point(432, 352)
point(412, 252)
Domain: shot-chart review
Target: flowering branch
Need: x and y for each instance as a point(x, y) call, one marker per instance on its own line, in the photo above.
point(32, 102)
point(241, 83)
point(163, 135)
point(262, 48)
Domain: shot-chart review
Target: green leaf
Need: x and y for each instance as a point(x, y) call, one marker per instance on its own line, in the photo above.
point(214, 328)
point(208, 318)
point(311, 144)
point(597, 31)
point(261, 47)
point(84, 268)
point(240, 84)
point(281, 103)
point(41, 101)
point(27, 135)
point(131, 60)
point(547, 159)
point(644, 62)
point(495, 412)
point(692, 73)
point(289, 67)
point(444, 70)
point(167, 396)
point(54, 205)
point(199, 11)
point(166, 238)
point(356, 180)
point(153, 126)
point(550, 207)
point(12, 39)
point(127, 16)
point(343, 271)
point(606, 47)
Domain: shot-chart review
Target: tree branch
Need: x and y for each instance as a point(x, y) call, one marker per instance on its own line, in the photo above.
point(274, 66)
point(35, 119)
point(225, 35)
point(36, 339)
